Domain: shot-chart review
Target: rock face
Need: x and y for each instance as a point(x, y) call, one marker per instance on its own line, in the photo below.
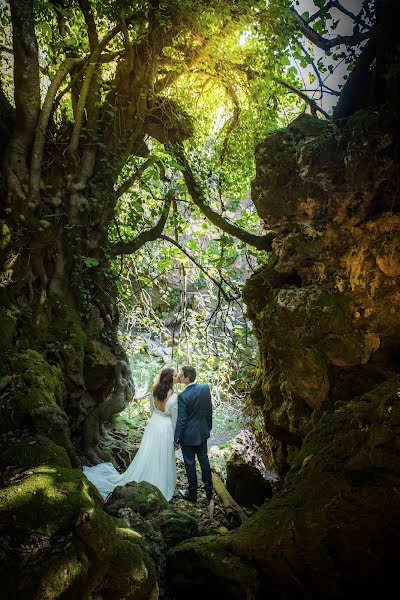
point(326, 307)
point(333, 529)
point(245, 483)
point(326, 312)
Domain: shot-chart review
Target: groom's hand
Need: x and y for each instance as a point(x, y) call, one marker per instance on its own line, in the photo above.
point(176, 445)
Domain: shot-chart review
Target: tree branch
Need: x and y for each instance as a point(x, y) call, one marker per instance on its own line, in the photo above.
point(38, 145)
point(90, 24)
point(198, 265)
point(329, 5)
point(312, 103)
point(73, 145)
point(320, 41)
point(26, 80)
point(145, 236)
point(192, 59)
point(124, 187)
point(261, 242)
point(355, 92)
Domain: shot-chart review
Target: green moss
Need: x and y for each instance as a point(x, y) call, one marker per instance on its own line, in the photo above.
point(43, 379)
point(65, 573)
point(34, 451)
point(8, 324)
point(143, 498)
point(77, 550)
point(48, 501)
point(5, 235)
point(37, 401)
point(97, 530)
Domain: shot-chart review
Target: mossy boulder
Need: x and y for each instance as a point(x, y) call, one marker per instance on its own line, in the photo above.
point(58, 542)
point(143, 498)
point(33, 451)
point(199, 569)
point(333, 530)
point(149, 535)
point(280, 166)
point(177, 526)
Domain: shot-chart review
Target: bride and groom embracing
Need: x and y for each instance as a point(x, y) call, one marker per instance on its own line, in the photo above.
point(178, 421)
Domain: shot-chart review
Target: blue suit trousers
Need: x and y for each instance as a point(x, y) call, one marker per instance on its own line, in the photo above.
point(189, 456)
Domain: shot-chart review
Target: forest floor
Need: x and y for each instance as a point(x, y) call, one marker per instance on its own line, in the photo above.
point(213, 519)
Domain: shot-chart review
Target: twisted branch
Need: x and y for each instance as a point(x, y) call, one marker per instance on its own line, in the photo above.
point(262, 242)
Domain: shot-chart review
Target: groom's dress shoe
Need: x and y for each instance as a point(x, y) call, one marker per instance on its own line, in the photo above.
point(185, 494)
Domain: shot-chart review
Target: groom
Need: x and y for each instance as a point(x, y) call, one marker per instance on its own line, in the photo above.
point(192, 431)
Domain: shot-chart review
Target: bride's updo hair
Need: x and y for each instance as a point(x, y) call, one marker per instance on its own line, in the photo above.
point(163, 384)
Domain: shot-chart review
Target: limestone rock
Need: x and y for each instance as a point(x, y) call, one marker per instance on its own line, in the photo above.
point(326, 306)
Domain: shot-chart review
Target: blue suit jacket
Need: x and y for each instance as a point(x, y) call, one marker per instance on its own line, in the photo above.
point(194, 420)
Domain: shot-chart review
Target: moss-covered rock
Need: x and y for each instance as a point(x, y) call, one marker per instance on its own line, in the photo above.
point(99, 367)
point(143, 498)
point(176, 526)
point(52, 519)
point(199, 568)
point(325, 307)
point(34, 451)
point(333, 529)
point(149, 535)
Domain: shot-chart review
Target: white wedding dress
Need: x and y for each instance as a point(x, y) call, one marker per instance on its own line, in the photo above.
point(154, 461)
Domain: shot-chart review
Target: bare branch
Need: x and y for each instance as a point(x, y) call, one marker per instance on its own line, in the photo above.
point(198, 265)
point(329, 5)
point(145, 236)
point(261, 242)
point(345, 11)
point(324, 43)
point(312, 103)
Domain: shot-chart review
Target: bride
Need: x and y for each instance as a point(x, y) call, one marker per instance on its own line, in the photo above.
point(155, 459)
